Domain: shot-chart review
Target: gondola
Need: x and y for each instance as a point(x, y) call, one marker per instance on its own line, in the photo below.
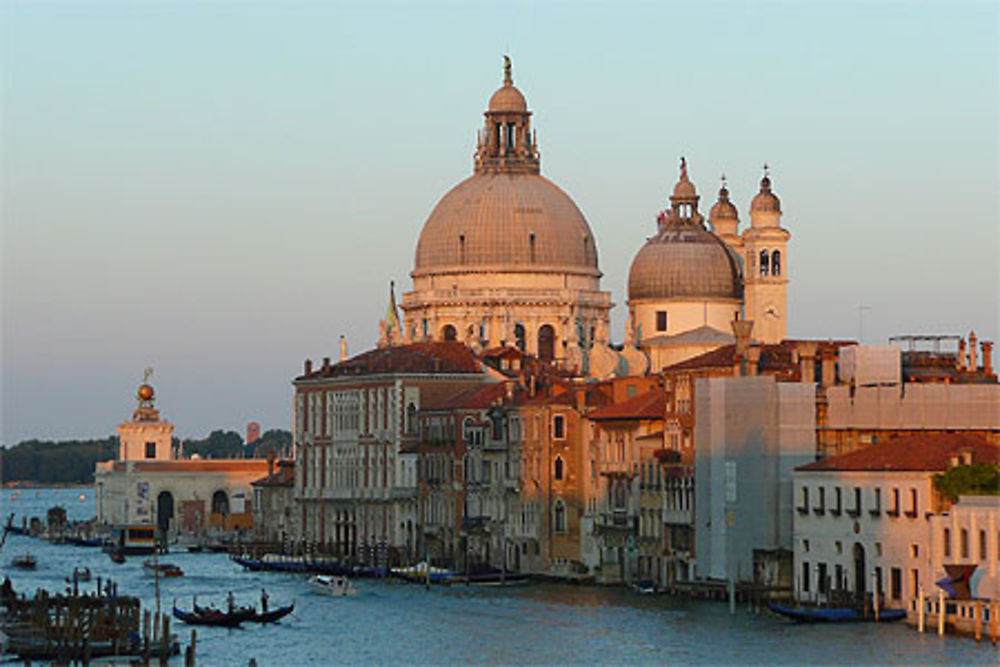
point(836, 614)
point(213, 617)
point(116, 557)
point(256, 617)
point(25, 562)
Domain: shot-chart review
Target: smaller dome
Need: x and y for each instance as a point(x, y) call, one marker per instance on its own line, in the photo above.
point(684, 260)
point(723, 209)
point(508, 99)
point(765, 201)
point(684, 189)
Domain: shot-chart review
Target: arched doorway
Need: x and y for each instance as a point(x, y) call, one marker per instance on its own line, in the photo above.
point(859, 571)
point(449, 333)
point(164, 511)
point(220, 503)
point(546, 343)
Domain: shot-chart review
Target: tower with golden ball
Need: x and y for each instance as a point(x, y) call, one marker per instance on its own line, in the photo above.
point(145, 437)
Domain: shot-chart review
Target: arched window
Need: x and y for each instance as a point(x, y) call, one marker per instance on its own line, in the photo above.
point(546, 342)
point(471, 434)
point(558, 468)
point(519, 336)
point(560, 516)
point(220, 503)
point(411, 419)
point(764, 264)
point(449, 333)
point(776, 263)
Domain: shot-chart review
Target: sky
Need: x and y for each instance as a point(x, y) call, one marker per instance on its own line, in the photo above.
point(219, 190)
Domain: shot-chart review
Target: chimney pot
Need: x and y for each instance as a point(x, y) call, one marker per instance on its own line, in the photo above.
point(987, 357)
point(308, 366)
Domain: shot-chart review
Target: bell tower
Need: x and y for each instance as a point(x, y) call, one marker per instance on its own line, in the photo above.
point(765, 244)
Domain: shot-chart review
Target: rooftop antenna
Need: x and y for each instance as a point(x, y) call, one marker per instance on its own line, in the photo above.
point(861, 321)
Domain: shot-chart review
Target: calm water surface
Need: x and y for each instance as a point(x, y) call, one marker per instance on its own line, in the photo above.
point(538, 624)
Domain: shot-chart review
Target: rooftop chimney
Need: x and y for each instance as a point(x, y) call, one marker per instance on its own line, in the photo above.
point(829, 357)
point(807, 361)
point(741, 331)
point(973, 350)
point(960, 361)
point(308, 366)
point(343, 348)
point(753, 359)
point(326, 364)
point(987, 357)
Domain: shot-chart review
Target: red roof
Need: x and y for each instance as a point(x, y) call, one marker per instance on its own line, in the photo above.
point(441, 357)
point(475, 398)
point(650, 405)
point(926, 452)
point(775, 359)
point(283, 476)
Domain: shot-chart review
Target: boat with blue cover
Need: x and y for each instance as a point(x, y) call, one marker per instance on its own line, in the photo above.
point(836, 614)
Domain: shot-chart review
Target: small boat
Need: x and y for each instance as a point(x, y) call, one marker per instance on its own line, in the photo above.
point(835, 614)
point(418, 574)
point(213, 617)
point(81, 574)
point(116, 557)
point(85, 541)
point(335, 586)
point(25, 562)
point(644, 587)
point(163, 569)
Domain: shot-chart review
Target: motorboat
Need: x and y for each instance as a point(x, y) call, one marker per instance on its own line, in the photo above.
point(420, 573)
point(332, 585)
point(163, 569)
point(644, 587)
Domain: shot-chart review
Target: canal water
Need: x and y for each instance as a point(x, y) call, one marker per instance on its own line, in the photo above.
point(395, 623)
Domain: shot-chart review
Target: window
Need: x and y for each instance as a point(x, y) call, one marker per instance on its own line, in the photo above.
point(776, 263)
point(559, 427)
point(914, 550)
point(856, 510)
point(449, 333)
point(805, 577)
point(560, 516)
point(661, 320)
point(915, 579)
point(913, 504)
point(946, 539)
point(764, 262)
point(150, 450)
point(821, 578)
point(805, 546)
point(411, 419)
point(982, 545)
point(894, 509)
point(839, 504)
point(963, 542)
point(804, 507)
point(877, 509)
point(821, 507)
point(896, 583)
point(558, 468)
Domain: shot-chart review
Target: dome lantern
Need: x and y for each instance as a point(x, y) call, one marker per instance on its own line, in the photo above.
point(506, 144)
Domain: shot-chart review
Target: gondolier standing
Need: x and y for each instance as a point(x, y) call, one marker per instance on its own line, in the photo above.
point(263, 600)
point(230, 603)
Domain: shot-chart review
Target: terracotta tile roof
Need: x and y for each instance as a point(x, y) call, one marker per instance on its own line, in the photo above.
point(775, 359)
point(475, 398)
point(926, 452)
point(439, 357)
point(650, 405)
point(595, 396)
point(283, 476)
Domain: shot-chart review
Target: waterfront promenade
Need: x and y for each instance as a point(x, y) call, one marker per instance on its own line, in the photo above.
point(397, 623)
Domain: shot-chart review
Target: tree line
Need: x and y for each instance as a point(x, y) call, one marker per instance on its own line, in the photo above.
point(72, 461)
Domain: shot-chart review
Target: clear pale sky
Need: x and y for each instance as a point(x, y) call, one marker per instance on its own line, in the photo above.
point(219, 190)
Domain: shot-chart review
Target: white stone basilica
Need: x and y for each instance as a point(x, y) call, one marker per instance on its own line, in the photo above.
point(507, 259)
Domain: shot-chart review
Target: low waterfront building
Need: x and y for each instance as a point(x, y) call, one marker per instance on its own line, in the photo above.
point(273, 504)
point(147, 482)
point(872, 520)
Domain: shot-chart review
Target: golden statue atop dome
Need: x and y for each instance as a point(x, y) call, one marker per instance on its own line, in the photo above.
point(146, 393)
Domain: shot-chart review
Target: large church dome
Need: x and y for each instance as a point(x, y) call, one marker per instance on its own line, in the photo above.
point(510, 221)
point(506, 216)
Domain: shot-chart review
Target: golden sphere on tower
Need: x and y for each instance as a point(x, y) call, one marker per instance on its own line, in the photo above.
point(146, 392)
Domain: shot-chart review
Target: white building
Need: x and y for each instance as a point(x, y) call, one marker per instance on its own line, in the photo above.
point(147, 484)
point(750, 433)
point(871, 519)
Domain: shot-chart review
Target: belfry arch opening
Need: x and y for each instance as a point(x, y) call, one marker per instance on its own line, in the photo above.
point(546, 342)
point(448, 332)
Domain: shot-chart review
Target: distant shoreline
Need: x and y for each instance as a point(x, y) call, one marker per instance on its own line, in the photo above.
point(21, 484)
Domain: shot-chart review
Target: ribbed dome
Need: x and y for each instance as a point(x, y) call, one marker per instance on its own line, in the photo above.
point(513, 221)
point(508, 98)
point(685, 260)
